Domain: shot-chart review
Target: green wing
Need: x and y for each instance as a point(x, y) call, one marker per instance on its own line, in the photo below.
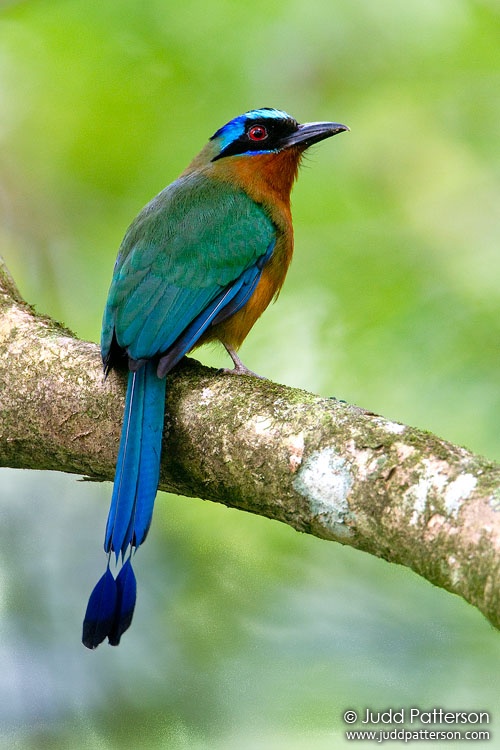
point(186, 248)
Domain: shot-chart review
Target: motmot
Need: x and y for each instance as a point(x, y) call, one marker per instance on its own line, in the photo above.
point(200, 263)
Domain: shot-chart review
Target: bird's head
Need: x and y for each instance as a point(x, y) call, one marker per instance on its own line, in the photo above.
point(263, 141)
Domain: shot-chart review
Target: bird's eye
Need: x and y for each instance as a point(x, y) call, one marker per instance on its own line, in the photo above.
point(257, 133)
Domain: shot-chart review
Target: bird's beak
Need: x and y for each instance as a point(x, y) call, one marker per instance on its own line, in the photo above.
point(313, 132)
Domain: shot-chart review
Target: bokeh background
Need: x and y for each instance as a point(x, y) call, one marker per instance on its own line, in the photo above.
point(248, 634)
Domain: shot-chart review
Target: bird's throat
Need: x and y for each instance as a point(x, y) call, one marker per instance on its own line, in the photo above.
point(267, 178)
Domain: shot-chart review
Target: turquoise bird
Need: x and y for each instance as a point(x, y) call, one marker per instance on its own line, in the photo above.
point(200, 263)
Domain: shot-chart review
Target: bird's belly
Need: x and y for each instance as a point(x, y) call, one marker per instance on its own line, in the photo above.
point(234, 330)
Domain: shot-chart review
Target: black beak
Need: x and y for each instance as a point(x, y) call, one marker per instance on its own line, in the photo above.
point(312, 132)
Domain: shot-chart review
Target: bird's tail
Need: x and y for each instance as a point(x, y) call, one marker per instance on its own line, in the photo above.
point(111, 604)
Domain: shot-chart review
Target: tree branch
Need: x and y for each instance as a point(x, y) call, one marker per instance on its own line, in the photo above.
point(319, 465)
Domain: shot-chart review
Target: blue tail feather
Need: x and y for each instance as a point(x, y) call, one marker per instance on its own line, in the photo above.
point(126, 588)
point(127, 465)
point(149, 466)
point(101, 611)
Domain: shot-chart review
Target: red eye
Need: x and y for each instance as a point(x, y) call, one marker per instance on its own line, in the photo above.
point(257, 133)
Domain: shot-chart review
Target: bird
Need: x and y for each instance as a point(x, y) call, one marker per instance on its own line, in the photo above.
point(199, 263)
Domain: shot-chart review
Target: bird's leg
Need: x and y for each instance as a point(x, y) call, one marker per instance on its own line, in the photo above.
point(239, 368)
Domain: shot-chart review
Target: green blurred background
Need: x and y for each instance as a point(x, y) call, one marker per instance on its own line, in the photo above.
point(248, 634)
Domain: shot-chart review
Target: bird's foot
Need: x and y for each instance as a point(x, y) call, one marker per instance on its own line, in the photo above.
point(239, 368)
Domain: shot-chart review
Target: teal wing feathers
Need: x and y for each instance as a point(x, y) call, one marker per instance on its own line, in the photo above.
point(190, 244)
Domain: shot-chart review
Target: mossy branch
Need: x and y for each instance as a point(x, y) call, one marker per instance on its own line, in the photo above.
point(321, 466)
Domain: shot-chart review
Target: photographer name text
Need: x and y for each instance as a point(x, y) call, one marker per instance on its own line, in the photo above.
point(431, 716)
